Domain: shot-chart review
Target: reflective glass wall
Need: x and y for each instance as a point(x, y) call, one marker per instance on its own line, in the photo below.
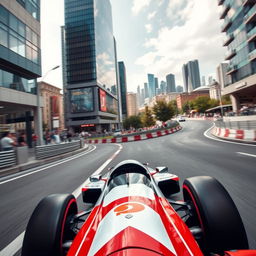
point(80, 41)
point(18, 37)
point(105, 53)
point(15, 82)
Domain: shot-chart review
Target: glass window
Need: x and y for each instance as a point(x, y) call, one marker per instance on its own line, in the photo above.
point(3, 15)
point(21, 28)
point(21, 48)
point(13, 43)
point(13, 22)
point(28, 34)
point(34, 38)
point(3, 37)
point(28, 52)
point(34, 56)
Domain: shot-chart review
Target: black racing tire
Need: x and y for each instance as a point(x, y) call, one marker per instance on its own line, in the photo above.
point(48, 226)
point(216, 214)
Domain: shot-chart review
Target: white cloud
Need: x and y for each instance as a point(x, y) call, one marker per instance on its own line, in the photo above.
point(151, 15)
point(148, 28)
point(198, 37)
point(138, 5)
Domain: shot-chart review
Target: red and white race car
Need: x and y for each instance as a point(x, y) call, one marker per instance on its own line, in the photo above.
point(132, 214)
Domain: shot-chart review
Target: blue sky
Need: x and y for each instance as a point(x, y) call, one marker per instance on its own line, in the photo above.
point(153, 36)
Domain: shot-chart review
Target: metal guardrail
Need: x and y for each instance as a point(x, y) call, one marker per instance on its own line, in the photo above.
point(243, 125)
point(7, 158)
point(46, 151)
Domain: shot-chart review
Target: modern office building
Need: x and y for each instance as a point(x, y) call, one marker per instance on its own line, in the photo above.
point(132, 104)
point(90, 58)
point(156, 86)
point(170, 83)
point(222, 77)
point(239, 24)
point(191, 75)
point(151, 86)
point(146, 90)
point(163, 86)
point(123, 87)
point(203, 81)
point(179, 88)
point(20, 65)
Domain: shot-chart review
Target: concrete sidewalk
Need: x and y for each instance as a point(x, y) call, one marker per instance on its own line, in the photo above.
point(32, 163)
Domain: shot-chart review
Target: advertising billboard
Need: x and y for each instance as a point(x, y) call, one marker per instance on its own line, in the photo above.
point(81, 100)
point(107, 103)
point(103, 101)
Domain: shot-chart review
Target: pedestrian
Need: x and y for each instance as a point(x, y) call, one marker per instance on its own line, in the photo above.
point(7, 142)
point(21, 140)
point(69, 136)
point(56, 137)
point(34, 139)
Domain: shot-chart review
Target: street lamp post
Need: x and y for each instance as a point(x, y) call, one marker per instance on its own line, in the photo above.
point(39, 110)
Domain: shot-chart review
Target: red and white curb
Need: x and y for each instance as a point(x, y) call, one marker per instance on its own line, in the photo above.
point(138, 137)
point(243, 135)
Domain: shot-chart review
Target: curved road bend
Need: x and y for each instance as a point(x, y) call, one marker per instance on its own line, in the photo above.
point(186, 153)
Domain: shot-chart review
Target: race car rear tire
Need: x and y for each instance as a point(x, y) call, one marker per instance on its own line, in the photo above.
point(215, 212)
point(48, 227)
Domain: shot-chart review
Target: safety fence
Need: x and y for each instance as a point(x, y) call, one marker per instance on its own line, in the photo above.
point(7, 158)
point(46, 151)
point(238, 125)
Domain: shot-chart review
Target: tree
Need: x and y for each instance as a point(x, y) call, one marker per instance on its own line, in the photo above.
point(202, 103)
point(147, 118)
point(175, 107)
point(213, 103)
point(163, 111)
point(187, 106)
point(132, 121)
point(226, 100)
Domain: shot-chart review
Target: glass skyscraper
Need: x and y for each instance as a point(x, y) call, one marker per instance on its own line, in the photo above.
point(191, 76)
point(90, 91)
point(20, 63)
point(151, 86)
point(123, 87)
point(239, 24)
point(170, 83)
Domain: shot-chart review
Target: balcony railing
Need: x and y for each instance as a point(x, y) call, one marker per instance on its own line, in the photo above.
point(251, 15)
point(229, 38)
point(226, 25)
point(252, 55)
point(230, 54)
point(251, 35)
point(231, 69)
point(224, 11)
point(220, 2)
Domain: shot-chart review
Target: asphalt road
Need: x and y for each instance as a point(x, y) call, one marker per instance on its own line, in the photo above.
point(187, 153)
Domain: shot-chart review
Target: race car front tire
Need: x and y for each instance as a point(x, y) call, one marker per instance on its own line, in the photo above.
point(48, 227)
point(216, 214)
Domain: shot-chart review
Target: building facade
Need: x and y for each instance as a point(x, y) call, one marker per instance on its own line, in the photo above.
point(123, 87)
point(132, 106)
point(163, 86)
point(20, 64)
point(239, 25)
point(53, 113)
point(184, 97)
point(215, 91)
point(179, 88)
point(170, 83)
point(191, 75)
point(146, 90)
point(91, 93)
point(222, 77)
point(151, 86)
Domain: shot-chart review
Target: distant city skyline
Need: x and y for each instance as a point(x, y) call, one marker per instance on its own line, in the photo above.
point(150, 24)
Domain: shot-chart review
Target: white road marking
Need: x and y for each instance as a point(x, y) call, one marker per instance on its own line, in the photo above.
point(16, 244)
point(226, 141)
point(246, 154)
point(48, 166)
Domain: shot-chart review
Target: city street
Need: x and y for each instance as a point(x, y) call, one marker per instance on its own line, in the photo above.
point(187, 153)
